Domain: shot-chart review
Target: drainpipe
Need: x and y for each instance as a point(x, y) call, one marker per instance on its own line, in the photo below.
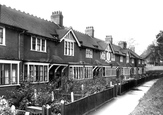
point(19, 43)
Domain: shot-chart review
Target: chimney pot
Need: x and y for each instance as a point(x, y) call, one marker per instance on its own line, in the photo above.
point(123, 44)
point(109, 39)
point(90, 31)
point(57, 18)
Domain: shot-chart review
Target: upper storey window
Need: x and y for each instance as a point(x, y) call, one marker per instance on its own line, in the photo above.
point(69, 45)
point(127, 58)
point(2, 36)
point(112, 57)
point(103, 55)
point(89, 53)
point(121, 58)
point(38, 44)
point(68, 48)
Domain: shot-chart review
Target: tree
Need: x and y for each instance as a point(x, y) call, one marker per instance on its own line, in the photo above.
point(159, 38)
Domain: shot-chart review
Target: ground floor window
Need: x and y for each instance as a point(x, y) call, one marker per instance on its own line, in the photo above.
point(36, 72)
point(9, 72)
point(79, 72)
point(126, 71)
point(140, 70)
point(135, 70)
point(108, 71)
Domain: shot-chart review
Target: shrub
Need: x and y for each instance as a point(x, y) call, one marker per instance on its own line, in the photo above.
point(22, 95)
point(4, 107)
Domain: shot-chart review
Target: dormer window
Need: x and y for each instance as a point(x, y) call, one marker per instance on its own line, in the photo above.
point(127, 58)
point(38, 44)
point(121, 58)
point(69, 45)
point(89, 53)
point(103, 55)
point(139, 61)
point(112, 57)
point(68, 48)
point(2, 36)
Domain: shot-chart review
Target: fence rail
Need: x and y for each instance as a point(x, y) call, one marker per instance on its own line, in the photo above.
point(86, 104)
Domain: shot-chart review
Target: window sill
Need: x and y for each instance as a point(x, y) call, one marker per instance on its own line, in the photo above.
point(89, 57)
point(9, 85)
point(110, 76)
point(68, 55)
point(82, 79)
point(2, 44)
point(39, 51)
point(39, 82)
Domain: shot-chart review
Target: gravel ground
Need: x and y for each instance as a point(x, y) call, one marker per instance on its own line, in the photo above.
point(152, 101)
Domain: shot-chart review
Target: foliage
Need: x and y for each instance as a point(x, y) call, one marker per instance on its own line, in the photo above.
point(153, 54)
point(4, 107)
point(22, 95)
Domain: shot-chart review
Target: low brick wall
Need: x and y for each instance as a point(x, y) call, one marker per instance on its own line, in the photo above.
point(5, 90)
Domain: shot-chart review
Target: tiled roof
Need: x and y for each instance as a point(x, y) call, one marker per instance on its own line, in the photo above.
point(61, 32)
point(86, 40)
point(27, 22)
point(117, 49)
point(102, 44)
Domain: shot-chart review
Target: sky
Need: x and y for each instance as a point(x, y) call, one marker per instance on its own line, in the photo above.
point(139, 20)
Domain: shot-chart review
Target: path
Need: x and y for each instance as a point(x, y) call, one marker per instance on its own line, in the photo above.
point(124, 104)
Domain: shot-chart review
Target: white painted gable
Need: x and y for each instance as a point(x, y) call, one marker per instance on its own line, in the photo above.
point(70, 37)
point(108, 48)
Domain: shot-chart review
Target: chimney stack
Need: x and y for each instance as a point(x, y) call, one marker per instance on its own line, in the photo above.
point(123, 44)
point(57, 18)
point(109, 39)
point(90, 31)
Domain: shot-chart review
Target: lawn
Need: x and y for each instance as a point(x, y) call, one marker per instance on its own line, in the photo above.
point(152, 102)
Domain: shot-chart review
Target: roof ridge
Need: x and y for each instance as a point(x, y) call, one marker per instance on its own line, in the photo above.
point(26, 13)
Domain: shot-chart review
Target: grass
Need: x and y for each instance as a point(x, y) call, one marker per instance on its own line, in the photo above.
point(152, 102)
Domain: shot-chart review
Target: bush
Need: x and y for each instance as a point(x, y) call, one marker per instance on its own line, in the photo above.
point(4, 107)
point(22, 95)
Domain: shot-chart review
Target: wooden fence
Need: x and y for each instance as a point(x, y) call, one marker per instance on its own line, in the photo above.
point(86, 104)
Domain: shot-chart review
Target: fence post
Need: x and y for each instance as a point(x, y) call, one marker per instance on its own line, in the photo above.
point(48, 108)
point(62, 107)
point(13, 110)
point(52, 96)
point(72, 96)
point(43, 110)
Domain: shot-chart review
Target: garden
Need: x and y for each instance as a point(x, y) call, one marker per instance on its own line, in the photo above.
point(27, 94)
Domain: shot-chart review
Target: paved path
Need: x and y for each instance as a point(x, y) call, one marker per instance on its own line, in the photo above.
point(125, 104)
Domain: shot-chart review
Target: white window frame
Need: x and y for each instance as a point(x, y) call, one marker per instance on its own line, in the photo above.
point(112, 57)
point(69, 50)
point(121, 58)
point(127, 58)
point(109, 72)
point(36, 44)
point(36, 64)
point(108, 56)
point(89, 53)
point(4, 36)
point(133, 60)
point(102, 55)
point(81, 72)
point(11, 62)
point(140, 70)
point(126, 71)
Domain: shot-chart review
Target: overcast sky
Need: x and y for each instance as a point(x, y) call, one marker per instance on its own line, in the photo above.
point(123, 19)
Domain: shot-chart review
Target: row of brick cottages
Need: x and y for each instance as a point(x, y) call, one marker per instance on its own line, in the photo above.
point(41, 51)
